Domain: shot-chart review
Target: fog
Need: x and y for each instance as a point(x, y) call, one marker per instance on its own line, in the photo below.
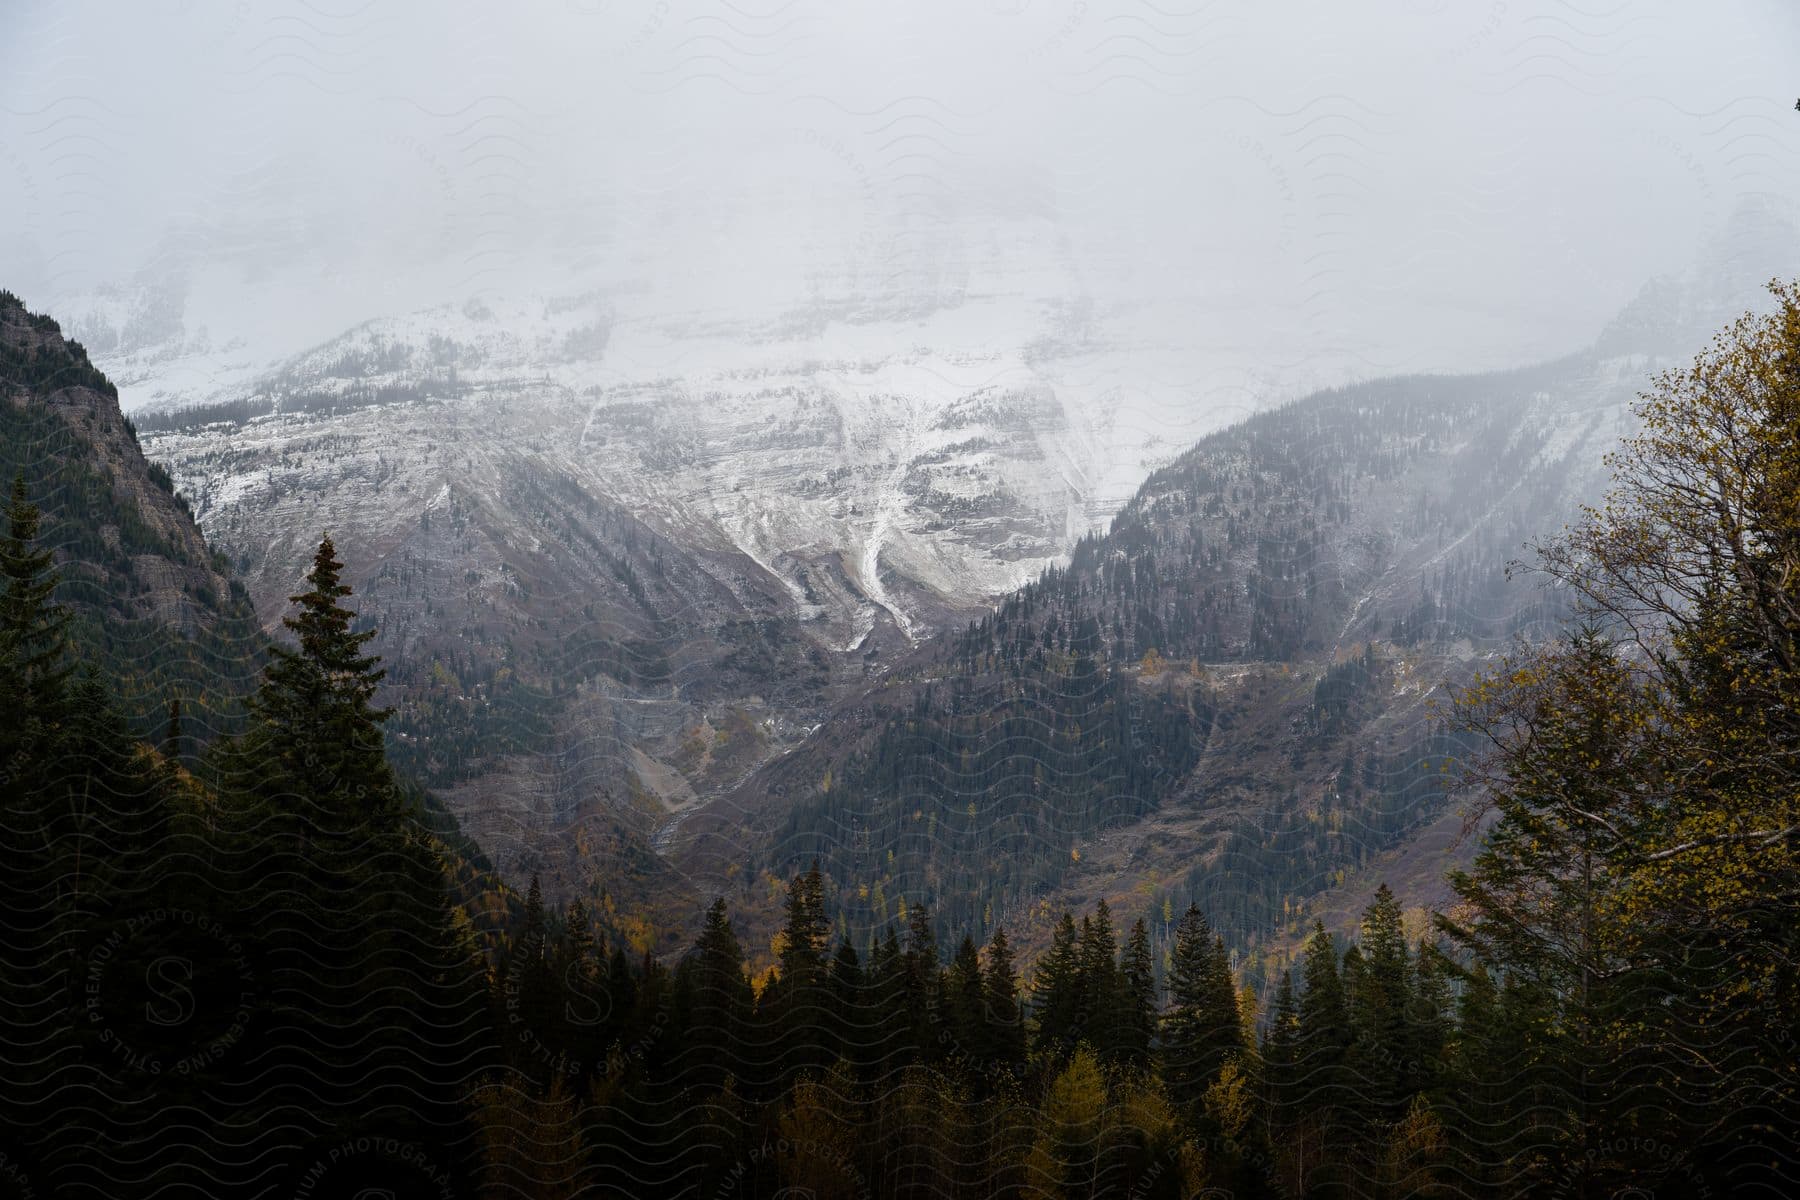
point(1367, 187)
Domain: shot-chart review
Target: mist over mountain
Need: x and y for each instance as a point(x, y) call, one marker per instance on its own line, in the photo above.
point(1026, 599)
point(608, 595)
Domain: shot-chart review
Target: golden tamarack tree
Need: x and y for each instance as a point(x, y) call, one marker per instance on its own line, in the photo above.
point(1643, 867)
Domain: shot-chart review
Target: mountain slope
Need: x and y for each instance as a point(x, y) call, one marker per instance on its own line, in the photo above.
point(1226, 698)
point(606, 594)
point(154, 608)
point(625, 561)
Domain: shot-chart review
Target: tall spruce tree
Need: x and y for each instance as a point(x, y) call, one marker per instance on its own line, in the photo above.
point(38, 870)
point(1327, 1097)
point(890, 1048)
point(1381, 1053)
point(33, 627)
point(586, 1009)
point(963, 1004)
point(531, 999)
point(1134, 1020)
point(1201, 1030)
point(318, 731)
point(1056, 992)
point(924, 994)
point(1000, 1005)
point(855, 1019)
point(1280, 1059)
point(376, 1009)
point(798, 1000)
point(1098, 985)
point(719, 1005)
point(1428, 1021)
point(34, 674)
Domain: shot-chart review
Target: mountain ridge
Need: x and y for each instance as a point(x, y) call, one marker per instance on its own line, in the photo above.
point(152, 603)
point(1225, 601)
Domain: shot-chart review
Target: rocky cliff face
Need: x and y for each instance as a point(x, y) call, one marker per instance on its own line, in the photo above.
point(654, 588)
point(149, 596)
point(1236, 695)
point(609, 589)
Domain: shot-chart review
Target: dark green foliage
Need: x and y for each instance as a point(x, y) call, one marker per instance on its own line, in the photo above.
point(1201, 1030)
point(716, 1005)
point(61, 430)
point(1002, 1014)
point(34, 629)
point(45, 362)
point(1098, 984)
point(316, 727)
point(1056, 993)
point(1381, 1057)
point(922, 991)
point(799, 999)
point(1283, 1081)
point(1134, 1023)
point(964, 1018)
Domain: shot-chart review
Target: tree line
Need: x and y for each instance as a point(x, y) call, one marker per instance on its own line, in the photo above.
point(261, 968)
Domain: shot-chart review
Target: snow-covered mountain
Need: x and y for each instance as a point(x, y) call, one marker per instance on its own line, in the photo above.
point(762, 512)
point(634, 551)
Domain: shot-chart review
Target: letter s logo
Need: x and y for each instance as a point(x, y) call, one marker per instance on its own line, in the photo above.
point(168, 979)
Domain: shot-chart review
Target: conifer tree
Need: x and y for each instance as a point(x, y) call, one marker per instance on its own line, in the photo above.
point(1000, 1005)
point(1134, 1021)
point(1326, 1093)
point(1428, 1022)
point(585, 1007)
point(923, 995)
point(719, 1008)
point(318, 735)
point(1381, 1052)
point(855, 1017)
point(1486, 1063)
point(1099, 978)
point(890, 1048)
point(963, 1003)
point(797, 999)
point(39, 871)
point(1201, 1030)
point(1280, 1058)
point(532, 998)
point(806, 931)
point(375, 993)
point(1056, 992)
point(34, 674)
point(33, 627)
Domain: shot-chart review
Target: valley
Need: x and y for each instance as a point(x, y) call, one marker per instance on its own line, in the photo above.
point(625, 644)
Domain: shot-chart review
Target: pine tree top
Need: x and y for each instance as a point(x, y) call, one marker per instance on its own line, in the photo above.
point(316, 701)
point(33, 627)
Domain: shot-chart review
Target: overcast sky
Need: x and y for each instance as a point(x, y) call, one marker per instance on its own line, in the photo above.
point(1494, 177)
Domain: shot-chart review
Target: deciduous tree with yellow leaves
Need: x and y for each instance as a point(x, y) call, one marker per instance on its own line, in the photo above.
point(1645, 864)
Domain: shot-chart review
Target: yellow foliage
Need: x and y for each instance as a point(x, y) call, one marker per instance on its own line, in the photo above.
point(818, 1142)
point(1230, 1101)
point(531, 1145)
point(1414, 1151)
